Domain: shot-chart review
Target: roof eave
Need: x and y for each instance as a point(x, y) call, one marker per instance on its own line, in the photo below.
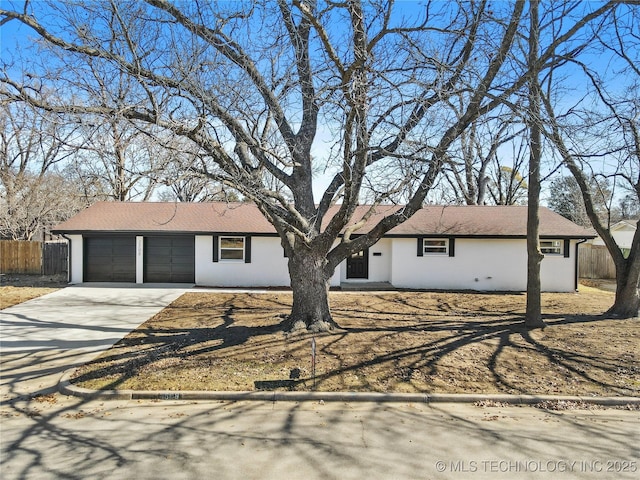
point(274, 234)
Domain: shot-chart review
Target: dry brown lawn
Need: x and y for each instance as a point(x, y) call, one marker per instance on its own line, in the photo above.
point(10, 295)
point(388, 342)
point(17, 288)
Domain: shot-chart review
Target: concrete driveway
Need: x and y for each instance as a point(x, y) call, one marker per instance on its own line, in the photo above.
point(43, 337)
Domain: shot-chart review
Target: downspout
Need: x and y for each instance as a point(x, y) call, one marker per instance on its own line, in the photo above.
point(63, 235)
point(577, 279)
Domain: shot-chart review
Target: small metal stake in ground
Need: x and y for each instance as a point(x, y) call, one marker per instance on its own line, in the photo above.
point(313, 361)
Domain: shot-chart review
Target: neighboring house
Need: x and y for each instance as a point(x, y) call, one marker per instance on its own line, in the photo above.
point(622, 232)
point(233, 245)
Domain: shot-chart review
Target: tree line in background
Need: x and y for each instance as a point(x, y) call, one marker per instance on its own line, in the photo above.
point(468, 102)
point(53, 165)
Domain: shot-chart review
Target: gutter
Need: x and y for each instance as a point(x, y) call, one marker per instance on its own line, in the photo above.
point(64, 235)
point(577, 275)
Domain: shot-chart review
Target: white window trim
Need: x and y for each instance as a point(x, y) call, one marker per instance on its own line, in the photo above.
point(221, 248)
point(554, 250)
point(435, 254)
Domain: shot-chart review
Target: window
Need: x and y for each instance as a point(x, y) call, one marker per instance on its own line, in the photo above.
point(551, 247)
point(436, 246)
point(232, 248)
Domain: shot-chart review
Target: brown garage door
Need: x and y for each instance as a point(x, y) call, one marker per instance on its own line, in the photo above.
point(110, 259)
point(169, 259)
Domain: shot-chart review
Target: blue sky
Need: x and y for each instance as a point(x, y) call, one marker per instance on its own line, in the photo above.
point(13, 36)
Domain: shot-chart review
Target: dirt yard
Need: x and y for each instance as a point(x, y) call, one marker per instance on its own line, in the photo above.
point(16, 289)
point(388, 342)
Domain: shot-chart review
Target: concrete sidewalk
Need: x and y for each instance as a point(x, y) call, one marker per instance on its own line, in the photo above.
point(43, 337)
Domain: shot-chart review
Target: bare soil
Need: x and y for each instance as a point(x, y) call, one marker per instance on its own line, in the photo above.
point(16, 289)
point(388, 342)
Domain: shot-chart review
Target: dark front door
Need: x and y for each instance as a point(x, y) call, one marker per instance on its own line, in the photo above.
point(358, 265)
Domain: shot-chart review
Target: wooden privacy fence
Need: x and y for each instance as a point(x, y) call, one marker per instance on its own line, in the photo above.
point(34, 258)
point(20, 257)
point(595, 262)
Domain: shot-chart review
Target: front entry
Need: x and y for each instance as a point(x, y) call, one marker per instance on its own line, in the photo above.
point(358, 265)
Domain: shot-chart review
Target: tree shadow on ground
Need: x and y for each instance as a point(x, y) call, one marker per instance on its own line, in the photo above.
point(78, 439)
point(506, 335)
point(81, 438)
point(448, 345)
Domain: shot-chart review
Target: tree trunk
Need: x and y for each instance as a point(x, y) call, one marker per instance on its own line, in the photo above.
point(533, 318)
point(310, 278)
point(627, 303)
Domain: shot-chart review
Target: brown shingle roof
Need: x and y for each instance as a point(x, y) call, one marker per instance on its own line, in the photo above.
point(148, 217)
point(485, 221)
point(168, 217)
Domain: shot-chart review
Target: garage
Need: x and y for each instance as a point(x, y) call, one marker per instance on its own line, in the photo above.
point(110, 259)
point(169, 259)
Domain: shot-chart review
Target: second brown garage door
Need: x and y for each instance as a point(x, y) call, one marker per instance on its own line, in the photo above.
point(169, 259)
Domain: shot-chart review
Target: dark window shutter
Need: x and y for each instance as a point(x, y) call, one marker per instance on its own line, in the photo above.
point(567, 243)
point(215, 248)
point(420, 246)
point(247, 249)
point(452, 247)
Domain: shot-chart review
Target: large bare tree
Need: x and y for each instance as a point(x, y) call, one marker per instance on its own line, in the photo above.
point(260, 86)
point(601, 137)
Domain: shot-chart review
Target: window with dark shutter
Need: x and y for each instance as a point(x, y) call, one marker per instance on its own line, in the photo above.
point(551, 247)
point(436, 246)
point(231, 249)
